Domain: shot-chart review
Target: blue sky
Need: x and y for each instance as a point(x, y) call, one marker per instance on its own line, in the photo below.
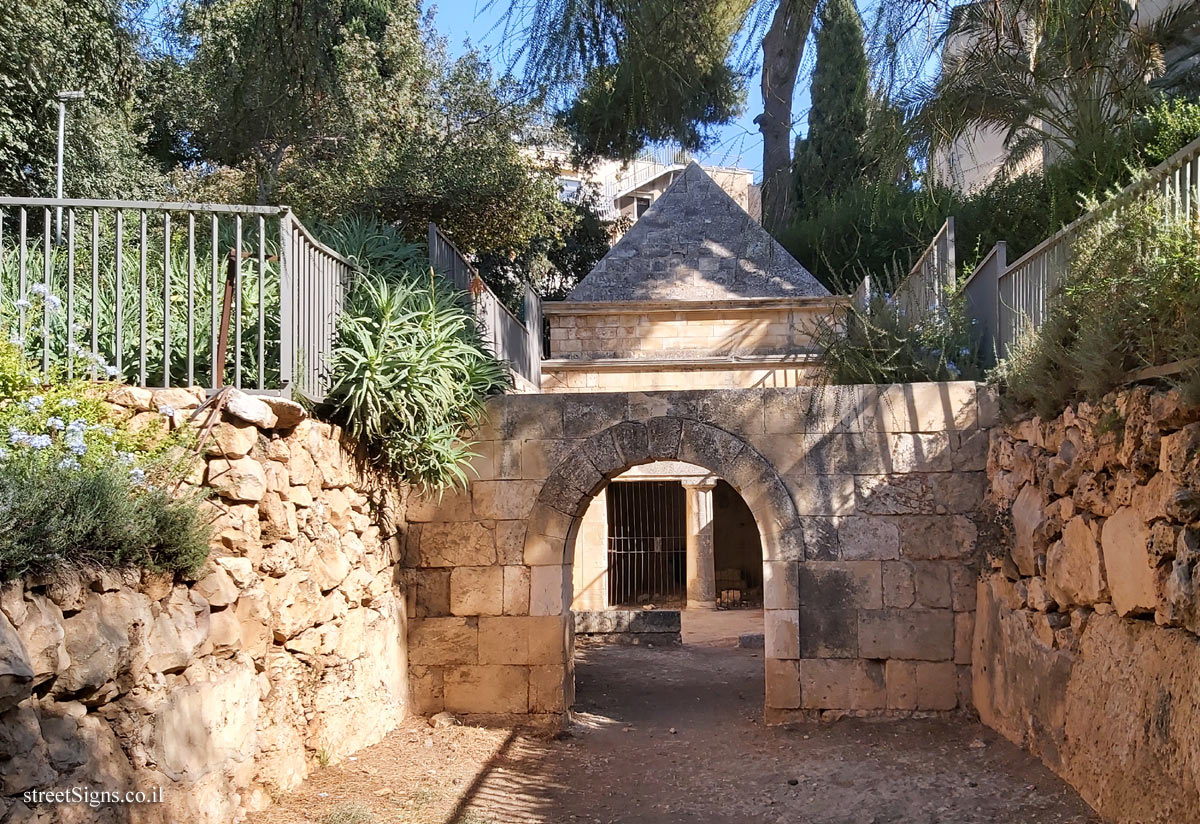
point(737, 144)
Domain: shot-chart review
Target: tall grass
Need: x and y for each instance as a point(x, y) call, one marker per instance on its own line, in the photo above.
point(1131, 300)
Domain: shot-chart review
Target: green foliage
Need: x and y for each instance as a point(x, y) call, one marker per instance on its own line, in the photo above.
point(877, 344)
point(47, 46)
point(1131, 300)
point(79, 488)
point(1166, 127)
point(409, 370)
point(833, 155)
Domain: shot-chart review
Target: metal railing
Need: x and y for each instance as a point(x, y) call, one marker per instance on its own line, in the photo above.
point(518, 344)
point(170, 294)
point(1023, 291)
point(983, 304)
point(931, 281)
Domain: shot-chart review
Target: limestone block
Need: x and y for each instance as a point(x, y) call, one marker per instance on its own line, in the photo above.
point(351, 631)
point(241, 479)
point(231, 439)
point(249, 409)
point(200, 728)
point(301, 467)
point(1028, 514)
point(1124, 542)
point(315, 641)
point(841, 585)
point(504, 500)
point(964, 634)
point(288, 413)
point(546, 688)
point(781, 633)
point(912, 452)
point(782, 684)
point(937, 537)
point(927, 407)
point(240, 571)
point(901, 679)
point(969, 451)
point(178, 398)
point(224, 632)
point(278, 519)
point(331, 564)
point(821, 539)
point(959, 492)
point(899, 584)
point(549, 589)
point(828, 633)
point(337, 508)
point(44, 638)
point(910, 634)
point(16, 674)
point(254, 615)
point(537, 458)
point(178, 631)
point(932, 584)
point(477, 590)
point(516, 590)
point(12, 601)
point(842, 684)
point(439, 641)
point(431, 593)
point(521, 640)
point(295, 601)
point(486, 689)
point(133, 398)
point(24, 753)
point(425, 689)
point(510, 542)
point(456, 544)
point(964, 579)
point(868, 538)
point(937, 685)
point(217, 587)
point(781, 587)
point(822, 494)
point(99, 639)
point(894, 494)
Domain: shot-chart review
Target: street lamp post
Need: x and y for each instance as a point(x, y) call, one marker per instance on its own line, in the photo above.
point(63, 97)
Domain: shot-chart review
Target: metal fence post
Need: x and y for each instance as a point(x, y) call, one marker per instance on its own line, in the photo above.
point(533, 328)
point(287, 348)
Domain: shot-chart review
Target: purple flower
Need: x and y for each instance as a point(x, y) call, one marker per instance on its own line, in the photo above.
point(55, 423)
point(68, 463)
point(38, 441)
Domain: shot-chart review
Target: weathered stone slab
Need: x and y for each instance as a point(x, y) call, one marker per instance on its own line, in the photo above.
point(912, 634)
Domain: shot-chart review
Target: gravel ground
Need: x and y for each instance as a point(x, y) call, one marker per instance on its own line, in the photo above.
point(675, 735)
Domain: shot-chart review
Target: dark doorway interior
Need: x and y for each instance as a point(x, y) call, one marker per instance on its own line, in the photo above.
point(737, 551)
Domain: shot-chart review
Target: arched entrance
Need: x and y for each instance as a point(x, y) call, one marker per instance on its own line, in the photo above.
point(564, 498)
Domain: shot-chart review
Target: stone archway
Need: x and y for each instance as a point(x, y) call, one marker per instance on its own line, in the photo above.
point(587, 468)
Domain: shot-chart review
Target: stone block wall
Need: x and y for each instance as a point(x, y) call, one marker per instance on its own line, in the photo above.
point(286, 651)
point(1086, 649)
point(868, 502)
point(648, 330)
point(666, 375)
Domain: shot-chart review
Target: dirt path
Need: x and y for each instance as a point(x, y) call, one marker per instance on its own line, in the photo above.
point(674, 735)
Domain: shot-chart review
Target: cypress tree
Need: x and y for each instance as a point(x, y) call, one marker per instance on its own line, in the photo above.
point(832, 156)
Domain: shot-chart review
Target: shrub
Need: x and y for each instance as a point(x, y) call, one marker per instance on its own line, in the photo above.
point(410, 373)
point(878, 344)
point(1131, 300)
point(78, 488)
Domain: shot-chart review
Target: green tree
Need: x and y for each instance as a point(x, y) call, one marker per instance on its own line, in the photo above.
point(1062, 79)
point(833, 155)
point(51, 45)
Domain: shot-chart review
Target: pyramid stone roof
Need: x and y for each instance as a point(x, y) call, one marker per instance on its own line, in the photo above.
point(695, 243)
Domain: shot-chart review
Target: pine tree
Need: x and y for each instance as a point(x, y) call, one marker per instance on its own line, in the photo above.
point(832, 157)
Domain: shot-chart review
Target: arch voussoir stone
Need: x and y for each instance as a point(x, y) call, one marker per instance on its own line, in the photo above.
point(603, 452)
point(663, 435)
point(632, 440)
point(705, 445)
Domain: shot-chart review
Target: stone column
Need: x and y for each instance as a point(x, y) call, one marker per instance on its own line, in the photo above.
point(701, 572)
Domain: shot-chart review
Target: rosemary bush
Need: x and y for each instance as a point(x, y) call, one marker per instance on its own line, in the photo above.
point(410, 374)
point(880, 345)
point(79, 488)
point(1130, 301)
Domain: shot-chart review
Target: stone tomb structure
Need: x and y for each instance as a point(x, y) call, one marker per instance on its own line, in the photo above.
point(867, 501)
point(695, 295)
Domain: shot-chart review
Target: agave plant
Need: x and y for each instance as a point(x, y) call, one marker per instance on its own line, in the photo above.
point(409, 371)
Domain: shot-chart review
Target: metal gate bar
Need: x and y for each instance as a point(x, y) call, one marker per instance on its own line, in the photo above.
point(647, 544)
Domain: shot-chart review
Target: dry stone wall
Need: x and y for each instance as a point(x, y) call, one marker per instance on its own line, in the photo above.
point(867, 499)
point(1086, 647)
point(286, 651)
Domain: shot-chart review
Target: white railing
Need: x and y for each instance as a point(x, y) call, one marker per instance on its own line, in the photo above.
point(930, 283)
point(643, 169)
point(170, 294)
point(1024, 289)
point(518, 344)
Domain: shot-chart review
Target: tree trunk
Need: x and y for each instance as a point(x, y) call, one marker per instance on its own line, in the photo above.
point(783, 49)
